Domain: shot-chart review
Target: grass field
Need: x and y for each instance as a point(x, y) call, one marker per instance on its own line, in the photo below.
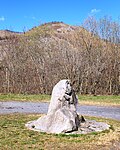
point(100, 100)
point(25, 97)
point(83, 99)
point(14, 135)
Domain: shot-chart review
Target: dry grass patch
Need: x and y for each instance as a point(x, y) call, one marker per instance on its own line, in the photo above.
point(104, 100)
point(14, 135)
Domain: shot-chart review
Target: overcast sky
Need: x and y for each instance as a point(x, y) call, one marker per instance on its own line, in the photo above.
point(19, 15)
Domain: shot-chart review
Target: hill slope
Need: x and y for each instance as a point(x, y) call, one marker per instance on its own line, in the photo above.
point(32, 62)
point(7, 33)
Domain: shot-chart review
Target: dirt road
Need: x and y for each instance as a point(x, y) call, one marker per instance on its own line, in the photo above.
point(35, 107)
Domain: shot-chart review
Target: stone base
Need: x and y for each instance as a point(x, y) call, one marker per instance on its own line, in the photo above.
point(61, 121)
point(88, 126)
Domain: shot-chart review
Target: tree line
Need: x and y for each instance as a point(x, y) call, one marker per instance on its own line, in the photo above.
point(88, 56)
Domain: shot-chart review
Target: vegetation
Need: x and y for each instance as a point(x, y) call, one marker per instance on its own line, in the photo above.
point(14, 135)
point(33, 62)
point(25, 97)
point(109, 100)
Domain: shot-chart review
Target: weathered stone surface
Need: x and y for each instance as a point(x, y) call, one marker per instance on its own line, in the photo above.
point(62, 116)
point(92, 126)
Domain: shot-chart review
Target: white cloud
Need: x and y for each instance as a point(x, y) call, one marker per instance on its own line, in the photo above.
point(94, 11)
point(25, 16)
point(30, 17)
point(34, 18)
point(2, 18)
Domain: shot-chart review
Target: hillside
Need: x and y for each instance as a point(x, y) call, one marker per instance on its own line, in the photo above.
point(55, 30)
point(32, 62)
point(57, 27)
point(4, 34)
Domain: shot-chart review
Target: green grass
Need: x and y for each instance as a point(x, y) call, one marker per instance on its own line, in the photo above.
point(100, 100)
point(14, 135)
point(83, 99)
point(25, 97)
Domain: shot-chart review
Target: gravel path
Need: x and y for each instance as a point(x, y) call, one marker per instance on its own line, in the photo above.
point(35, 107)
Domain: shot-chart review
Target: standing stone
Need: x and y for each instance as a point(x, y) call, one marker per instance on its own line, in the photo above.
point(62, 116)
